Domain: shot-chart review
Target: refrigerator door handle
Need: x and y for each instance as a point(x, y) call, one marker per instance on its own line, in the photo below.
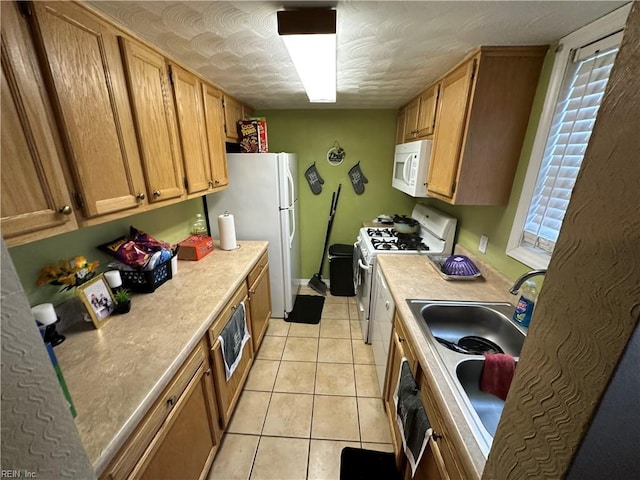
point(292, 213)
point(292, 191)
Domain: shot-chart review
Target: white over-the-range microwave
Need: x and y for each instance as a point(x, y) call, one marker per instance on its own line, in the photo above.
point(411, 167)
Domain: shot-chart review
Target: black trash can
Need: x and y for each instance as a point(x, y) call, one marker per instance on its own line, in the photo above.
point(341, 270)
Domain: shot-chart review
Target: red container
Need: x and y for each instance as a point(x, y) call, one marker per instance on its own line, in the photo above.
point(195, 247)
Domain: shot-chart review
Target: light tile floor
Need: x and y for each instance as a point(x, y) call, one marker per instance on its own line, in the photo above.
point(311, 392)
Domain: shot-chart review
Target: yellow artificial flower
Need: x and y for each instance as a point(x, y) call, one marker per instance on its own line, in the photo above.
point(68, 273)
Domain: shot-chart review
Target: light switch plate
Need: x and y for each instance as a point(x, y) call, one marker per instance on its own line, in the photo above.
point(482, 247)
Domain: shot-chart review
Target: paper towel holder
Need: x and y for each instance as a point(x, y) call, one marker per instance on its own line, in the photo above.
point(227, 232)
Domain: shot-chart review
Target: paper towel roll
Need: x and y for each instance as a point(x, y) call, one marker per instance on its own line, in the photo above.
point(227, 230)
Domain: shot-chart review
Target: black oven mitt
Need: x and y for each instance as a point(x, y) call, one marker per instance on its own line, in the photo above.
point(357, 179)
point(314, 179)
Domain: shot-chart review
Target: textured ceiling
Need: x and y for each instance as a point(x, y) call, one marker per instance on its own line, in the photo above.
point(387, 51)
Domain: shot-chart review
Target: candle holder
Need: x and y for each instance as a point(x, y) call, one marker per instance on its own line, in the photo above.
point(46, 318)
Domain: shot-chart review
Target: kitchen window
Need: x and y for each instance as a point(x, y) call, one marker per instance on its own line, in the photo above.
point(581, 69)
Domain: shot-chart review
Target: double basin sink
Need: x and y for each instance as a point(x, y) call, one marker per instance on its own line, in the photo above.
point(444, 324)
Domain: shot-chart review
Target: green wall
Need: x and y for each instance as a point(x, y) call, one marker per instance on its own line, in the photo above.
point(170, 224)
point(368, 137)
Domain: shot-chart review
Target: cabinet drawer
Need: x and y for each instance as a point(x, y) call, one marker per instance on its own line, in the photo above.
point(257, 269)
point(227, 311)
point(407, 348)
point(138, 442)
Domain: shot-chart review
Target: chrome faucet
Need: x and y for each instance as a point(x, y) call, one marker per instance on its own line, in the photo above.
point(524, 277)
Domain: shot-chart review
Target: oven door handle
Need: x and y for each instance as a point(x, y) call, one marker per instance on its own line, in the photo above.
point(363, 266)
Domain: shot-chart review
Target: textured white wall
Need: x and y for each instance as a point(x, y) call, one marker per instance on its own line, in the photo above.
point(39, 437)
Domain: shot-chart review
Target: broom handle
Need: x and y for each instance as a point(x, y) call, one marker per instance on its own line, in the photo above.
point(326, 238)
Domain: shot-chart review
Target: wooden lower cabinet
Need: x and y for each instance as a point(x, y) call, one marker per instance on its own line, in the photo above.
point(431, 466)
point(439, 460)
point(179, 436)
point(228, 392)
point(399, 348)
point(259, 300)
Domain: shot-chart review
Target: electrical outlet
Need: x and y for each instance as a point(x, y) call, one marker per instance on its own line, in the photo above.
point(482, 247)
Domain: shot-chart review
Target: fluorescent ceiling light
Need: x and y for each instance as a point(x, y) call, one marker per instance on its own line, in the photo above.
point(314, 57)
point(310, 38)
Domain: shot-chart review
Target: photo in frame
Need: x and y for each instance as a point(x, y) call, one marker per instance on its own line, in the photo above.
point(98, 299)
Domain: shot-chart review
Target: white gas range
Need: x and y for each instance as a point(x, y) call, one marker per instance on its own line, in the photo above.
point(435, 236)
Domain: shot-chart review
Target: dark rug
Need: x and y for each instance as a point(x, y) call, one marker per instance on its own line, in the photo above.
point(361, 464)
point(306, 309)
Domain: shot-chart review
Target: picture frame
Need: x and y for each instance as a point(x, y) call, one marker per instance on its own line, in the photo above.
point(97, 299)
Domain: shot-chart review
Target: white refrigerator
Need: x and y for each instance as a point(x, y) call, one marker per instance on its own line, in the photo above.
point(262, 196)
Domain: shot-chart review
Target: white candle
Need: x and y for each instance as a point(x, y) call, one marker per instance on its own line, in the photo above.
point(44, 313)
point(113, 278)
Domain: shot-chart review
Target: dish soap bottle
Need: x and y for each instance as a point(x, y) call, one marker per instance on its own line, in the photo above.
point(526, 303)
point(199, 226)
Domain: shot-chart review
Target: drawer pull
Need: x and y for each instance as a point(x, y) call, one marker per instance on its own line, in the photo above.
point(436, 436)
point(171, 401)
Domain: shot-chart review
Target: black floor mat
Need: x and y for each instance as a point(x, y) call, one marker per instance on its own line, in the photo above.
point(306, 309)
point(361, 464)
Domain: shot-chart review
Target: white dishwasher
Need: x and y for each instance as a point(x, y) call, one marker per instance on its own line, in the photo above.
point(382, 315)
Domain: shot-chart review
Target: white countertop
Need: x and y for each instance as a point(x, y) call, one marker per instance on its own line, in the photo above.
point(116, 373)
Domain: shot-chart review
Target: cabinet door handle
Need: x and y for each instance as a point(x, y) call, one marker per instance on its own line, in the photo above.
point(141, 196)
point(66, 210)
point(207, 372)
point(211, 184)
point(436, 436)
point(400, 339)
point(216, 182)
point(171, 401)
point(156, 193)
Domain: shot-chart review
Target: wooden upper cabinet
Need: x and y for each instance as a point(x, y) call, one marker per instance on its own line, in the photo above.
point(482, 117)
point(193, 136)
point(417, 119)
point(35, 200)
point(233, 112)
point(454, 99)
point(214, 118)
point(428, 101)
point(154, 114)
point(411, 120)
point(88, 90)
point(401, 123)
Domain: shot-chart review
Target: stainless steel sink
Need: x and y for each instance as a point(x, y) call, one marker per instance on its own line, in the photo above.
point(487, 406)
point(452, 321)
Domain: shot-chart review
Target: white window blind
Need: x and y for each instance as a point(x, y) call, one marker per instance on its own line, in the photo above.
point(580, 96)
